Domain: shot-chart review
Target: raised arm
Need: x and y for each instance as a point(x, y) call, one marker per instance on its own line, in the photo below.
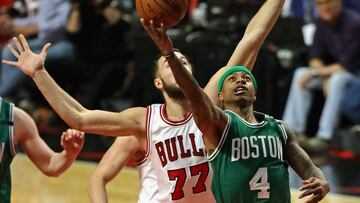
point(48, 161)
point(257, 30)
point(247, 50)
point(208, 117)
point(131, 121)
point(110, 165)
point(314, 181)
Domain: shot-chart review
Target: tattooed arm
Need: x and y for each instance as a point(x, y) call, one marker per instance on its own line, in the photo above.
point(314, 181)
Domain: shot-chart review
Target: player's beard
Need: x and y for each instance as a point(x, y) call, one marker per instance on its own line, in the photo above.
point(173, 91)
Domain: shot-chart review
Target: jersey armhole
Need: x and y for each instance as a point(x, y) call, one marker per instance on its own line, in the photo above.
point(148, 132)
point(283, 131)
point(222, 140)
point(141, 162)
point(11, 129)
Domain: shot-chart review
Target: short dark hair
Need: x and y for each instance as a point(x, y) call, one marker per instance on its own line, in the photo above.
point(156, 64)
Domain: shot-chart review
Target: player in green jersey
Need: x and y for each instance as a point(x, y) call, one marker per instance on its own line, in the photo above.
point(18, 128)
point(254, 150)
point(249, 152)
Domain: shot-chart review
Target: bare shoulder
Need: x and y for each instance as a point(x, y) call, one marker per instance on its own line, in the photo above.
point(131, 145)
point(131, 142)
point(135, 118)
point(24, 125)
point(22, 119)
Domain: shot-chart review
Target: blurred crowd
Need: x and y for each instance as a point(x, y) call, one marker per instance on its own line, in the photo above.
point(101, 56)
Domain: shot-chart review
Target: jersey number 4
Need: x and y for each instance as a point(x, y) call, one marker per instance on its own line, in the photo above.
point(260, 182)
point(179, 175)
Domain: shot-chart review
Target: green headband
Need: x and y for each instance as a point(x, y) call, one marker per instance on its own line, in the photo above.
point(236, 69)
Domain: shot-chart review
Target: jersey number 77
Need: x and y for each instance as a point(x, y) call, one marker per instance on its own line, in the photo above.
point(179, 175)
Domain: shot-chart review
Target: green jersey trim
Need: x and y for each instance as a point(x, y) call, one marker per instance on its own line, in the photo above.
point(11, 130)
point(257, 125)
point(12, 144)
point(2, 150)
point(283, 131)
point(222, 139)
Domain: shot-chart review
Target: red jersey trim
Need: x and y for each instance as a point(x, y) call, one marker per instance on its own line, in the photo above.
point(139, 163)
point(148, 135)
point(170, 122)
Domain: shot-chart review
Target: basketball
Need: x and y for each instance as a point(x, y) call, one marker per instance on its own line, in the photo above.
point(168, 12)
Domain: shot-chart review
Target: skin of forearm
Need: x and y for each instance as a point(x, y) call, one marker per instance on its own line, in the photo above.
point(303, 165)
point(59, 162)
point(266, 17)
point(26, 30)
point(325, 70)
point(330, 69)
point(64, 105)
point(74, 22)
point(187, 83)
point(255, 34)
point(316, 63)
point(97, 190)
point(314, 172)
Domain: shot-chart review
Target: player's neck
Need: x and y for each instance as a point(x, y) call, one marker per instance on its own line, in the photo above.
point(176, 110)
point(247, 113)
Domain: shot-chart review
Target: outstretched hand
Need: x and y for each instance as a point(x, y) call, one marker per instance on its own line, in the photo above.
point(159, 36)
point(27, 61)
point(72, 141)
point(315, 187)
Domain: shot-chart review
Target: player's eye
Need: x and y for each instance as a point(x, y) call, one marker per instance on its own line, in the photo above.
point(232, 78)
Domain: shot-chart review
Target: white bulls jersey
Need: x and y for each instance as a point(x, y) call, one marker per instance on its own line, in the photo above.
point(177, 154)
point(148, 180)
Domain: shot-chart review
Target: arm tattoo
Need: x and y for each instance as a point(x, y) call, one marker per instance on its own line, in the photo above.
point(299, 160)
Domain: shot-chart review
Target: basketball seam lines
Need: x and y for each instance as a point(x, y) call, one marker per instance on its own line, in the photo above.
point(169, 13)
point(143, 10)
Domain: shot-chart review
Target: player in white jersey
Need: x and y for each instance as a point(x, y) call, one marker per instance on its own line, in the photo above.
point(149, 190)
point(178, 156)
point(123, 149)
point(133, 121)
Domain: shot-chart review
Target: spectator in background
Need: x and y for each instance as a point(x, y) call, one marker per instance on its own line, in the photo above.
point(350, 104)
point(303, 9)
point(4, 8)
point(47, 25)
point(98, 29)
point(334, 62)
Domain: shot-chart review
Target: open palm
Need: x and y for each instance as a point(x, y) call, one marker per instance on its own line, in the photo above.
point(28, 62)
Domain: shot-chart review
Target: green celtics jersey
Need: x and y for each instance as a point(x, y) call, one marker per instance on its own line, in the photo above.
point(249, 164)
point(7, 150)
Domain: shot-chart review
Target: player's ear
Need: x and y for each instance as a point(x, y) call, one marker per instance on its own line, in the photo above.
point(158, 83)
point(220, 97)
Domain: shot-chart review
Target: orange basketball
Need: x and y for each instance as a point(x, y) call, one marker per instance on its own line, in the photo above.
point(169, 12)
